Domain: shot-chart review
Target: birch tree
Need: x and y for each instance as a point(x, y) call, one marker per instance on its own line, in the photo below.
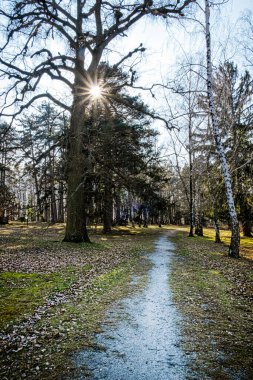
point(233, 96)
point(234, 224)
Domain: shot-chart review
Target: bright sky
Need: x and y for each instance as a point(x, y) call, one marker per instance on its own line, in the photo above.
point(166, 48)
point(236, 7)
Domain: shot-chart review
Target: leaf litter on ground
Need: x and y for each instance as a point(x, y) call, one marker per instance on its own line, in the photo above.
point(214, 294)
point(33, 344)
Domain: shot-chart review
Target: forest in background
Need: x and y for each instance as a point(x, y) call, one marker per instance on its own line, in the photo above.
point(130, 181)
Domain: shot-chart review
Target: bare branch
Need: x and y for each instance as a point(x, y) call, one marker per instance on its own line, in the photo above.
point(139, 108)
point(140, 48)
point(31, 101)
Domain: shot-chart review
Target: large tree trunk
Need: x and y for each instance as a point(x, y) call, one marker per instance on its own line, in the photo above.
point(46, 213)
point(117, 208)
point(78, 161)
point(78, 149)
point(61, 203)
point(39, 207)
point(247, 228)
point(198, 213)
point(235, 237)
point(199, 223)
point(76, 230)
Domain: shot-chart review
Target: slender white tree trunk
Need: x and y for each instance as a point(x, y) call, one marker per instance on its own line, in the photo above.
point(235, 237)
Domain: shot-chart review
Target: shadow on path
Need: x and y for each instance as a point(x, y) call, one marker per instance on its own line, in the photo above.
point(141, 338)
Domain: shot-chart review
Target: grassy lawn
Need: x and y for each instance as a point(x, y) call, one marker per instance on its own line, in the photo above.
point(21, 293)
point(54, 294)
point(246, 243)
point(214, 295)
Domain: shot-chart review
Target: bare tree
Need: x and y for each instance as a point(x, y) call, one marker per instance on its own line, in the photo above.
point(245, 39)
point(234, 224)
point(65, 41)
point(188, 86)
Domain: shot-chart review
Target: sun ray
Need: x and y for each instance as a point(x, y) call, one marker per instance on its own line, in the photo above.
point(96, 91)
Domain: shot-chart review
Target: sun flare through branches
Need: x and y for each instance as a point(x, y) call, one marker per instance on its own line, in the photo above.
point(93, 91)
point(96, 92)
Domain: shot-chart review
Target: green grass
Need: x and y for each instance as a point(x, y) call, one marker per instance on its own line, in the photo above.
point(102, 272)
point(246, 243)
point(21, 293)
point(212, 292)
point(88, 313)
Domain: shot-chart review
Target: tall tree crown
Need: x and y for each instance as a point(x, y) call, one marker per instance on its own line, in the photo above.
point(62, 40)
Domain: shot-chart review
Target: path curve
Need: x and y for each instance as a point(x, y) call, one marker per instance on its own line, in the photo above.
point(143, 343)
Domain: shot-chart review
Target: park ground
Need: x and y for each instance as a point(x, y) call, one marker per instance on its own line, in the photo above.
point(54, 297)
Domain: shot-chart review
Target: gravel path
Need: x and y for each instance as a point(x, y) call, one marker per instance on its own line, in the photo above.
point(140, 340)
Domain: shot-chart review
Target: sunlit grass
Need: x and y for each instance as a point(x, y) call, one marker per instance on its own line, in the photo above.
point(57, 230)
point(16, 246)
point(246, 243)
point(4, 232)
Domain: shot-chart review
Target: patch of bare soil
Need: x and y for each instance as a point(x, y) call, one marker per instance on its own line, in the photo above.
point(214, 294)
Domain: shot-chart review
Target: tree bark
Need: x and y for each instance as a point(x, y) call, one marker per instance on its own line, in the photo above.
point(53, 206)
point(235, 236)
point(39, 207)
point(247, 228)
point(76, 229)
point(78, 148)
point(118, 208)
point(214, 202)
point(199, 226)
